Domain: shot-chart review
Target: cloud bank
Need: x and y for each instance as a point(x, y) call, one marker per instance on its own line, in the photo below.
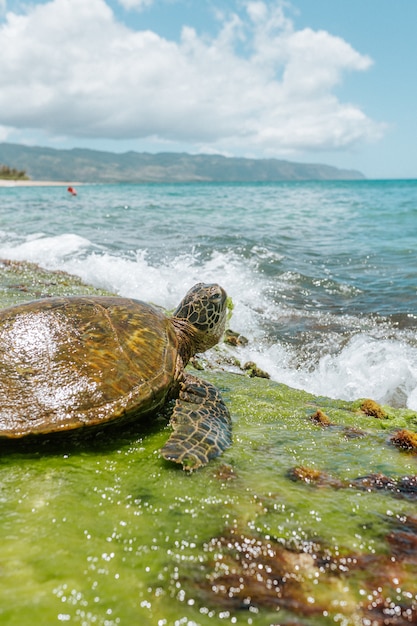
point(70, 69)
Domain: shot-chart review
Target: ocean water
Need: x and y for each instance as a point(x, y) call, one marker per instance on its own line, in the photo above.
point(323, 275)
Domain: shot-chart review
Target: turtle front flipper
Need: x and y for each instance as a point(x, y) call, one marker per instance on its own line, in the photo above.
point(201, 423)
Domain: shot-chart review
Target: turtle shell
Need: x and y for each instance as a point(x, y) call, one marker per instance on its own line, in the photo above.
point(82, 361)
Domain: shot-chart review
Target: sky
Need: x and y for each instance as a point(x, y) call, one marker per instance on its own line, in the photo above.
point(317, 81)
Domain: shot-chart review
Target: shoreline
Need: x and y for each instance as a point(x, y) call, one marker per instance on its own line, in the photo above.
point(37, 183)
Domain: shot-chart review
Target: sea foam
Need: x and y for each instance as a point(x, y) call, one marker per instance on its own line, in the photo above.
point(364, 366)
point(384, 370)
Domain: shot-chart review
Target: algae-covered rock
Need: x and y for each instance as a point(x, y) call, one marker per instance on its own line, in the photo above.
point(254, 371)
point(21, 281)
point(234, 339)
point(293, 524)
point(370, 407)
point(320, 418)
point(405, 440)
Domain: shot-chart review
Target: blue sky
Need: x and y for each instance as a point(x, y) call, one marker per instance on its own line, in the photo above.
point(330, 81)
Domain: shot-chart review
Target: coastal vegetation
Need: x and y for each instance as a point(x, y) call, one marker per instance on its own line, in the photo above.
point(10, 173)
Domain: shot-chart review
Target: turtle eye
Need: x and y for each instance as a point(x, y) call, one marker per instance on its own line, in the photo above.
point(216, 298)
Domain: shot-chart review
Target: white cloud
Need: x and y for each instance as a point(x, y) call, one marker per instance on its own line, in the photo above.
point(136, 4)
point(69, 68)
point(5, 133)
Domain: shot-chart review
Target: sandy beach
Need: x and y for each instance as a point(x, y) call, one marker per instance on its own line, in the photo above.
point(36, 183)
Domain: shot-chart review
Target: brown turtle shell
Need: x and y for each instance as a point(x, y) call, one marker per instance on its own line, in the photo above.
point(71, 362)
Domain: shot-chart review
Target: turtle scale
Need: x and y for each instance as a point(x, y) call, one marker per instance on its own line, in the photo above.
point(87, 361)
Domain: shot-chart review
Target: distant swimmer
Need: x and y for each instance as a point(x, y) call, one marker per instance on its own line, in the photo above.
point(72, 191)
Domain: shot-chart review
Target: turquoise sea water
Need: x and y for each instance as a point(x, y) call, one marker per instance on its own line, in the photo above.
point(323, 275)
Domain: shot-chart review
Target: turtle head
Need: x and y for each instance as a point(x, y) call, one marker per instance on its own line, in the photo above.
point(204, 310)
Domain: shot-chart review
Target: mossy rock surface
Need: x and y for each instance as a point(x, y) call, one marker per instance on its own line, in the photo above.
point(21, 281)
point(295, 524)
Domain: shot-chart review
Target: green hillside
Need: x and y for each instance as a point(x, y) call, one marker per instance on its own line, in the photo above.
point(132, 167)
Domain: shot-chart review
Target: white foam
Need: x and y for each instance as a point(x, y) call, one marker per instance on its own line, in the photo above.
point(366, 366)
point(134, 275)
point(381, 369)
point(47, 251)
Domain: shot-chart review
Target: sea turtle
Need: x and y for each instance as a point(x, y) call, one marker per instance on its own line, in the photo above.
point(81, 361)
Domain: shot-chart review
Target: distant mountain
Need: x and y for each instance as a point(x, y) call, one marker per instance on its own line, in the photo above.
point(92, 166)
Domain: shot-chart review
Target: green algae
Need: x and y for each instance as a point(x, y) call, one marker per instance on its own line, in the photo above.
point(99, 529)
point(23, 281)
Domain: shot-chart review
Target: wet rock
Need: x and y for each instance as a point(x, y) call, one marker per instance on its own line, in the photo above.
point(374, 482)
point(309, 476)
point(250, 572)
point(403, 540)
point(196, 363)
point(353, 433)
point(254, 371)
point(233, 338)
point(225, 472)
point(385, 612)
point(21, 281)
point(404, 487)
point(305, 474)
point(255, 573)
